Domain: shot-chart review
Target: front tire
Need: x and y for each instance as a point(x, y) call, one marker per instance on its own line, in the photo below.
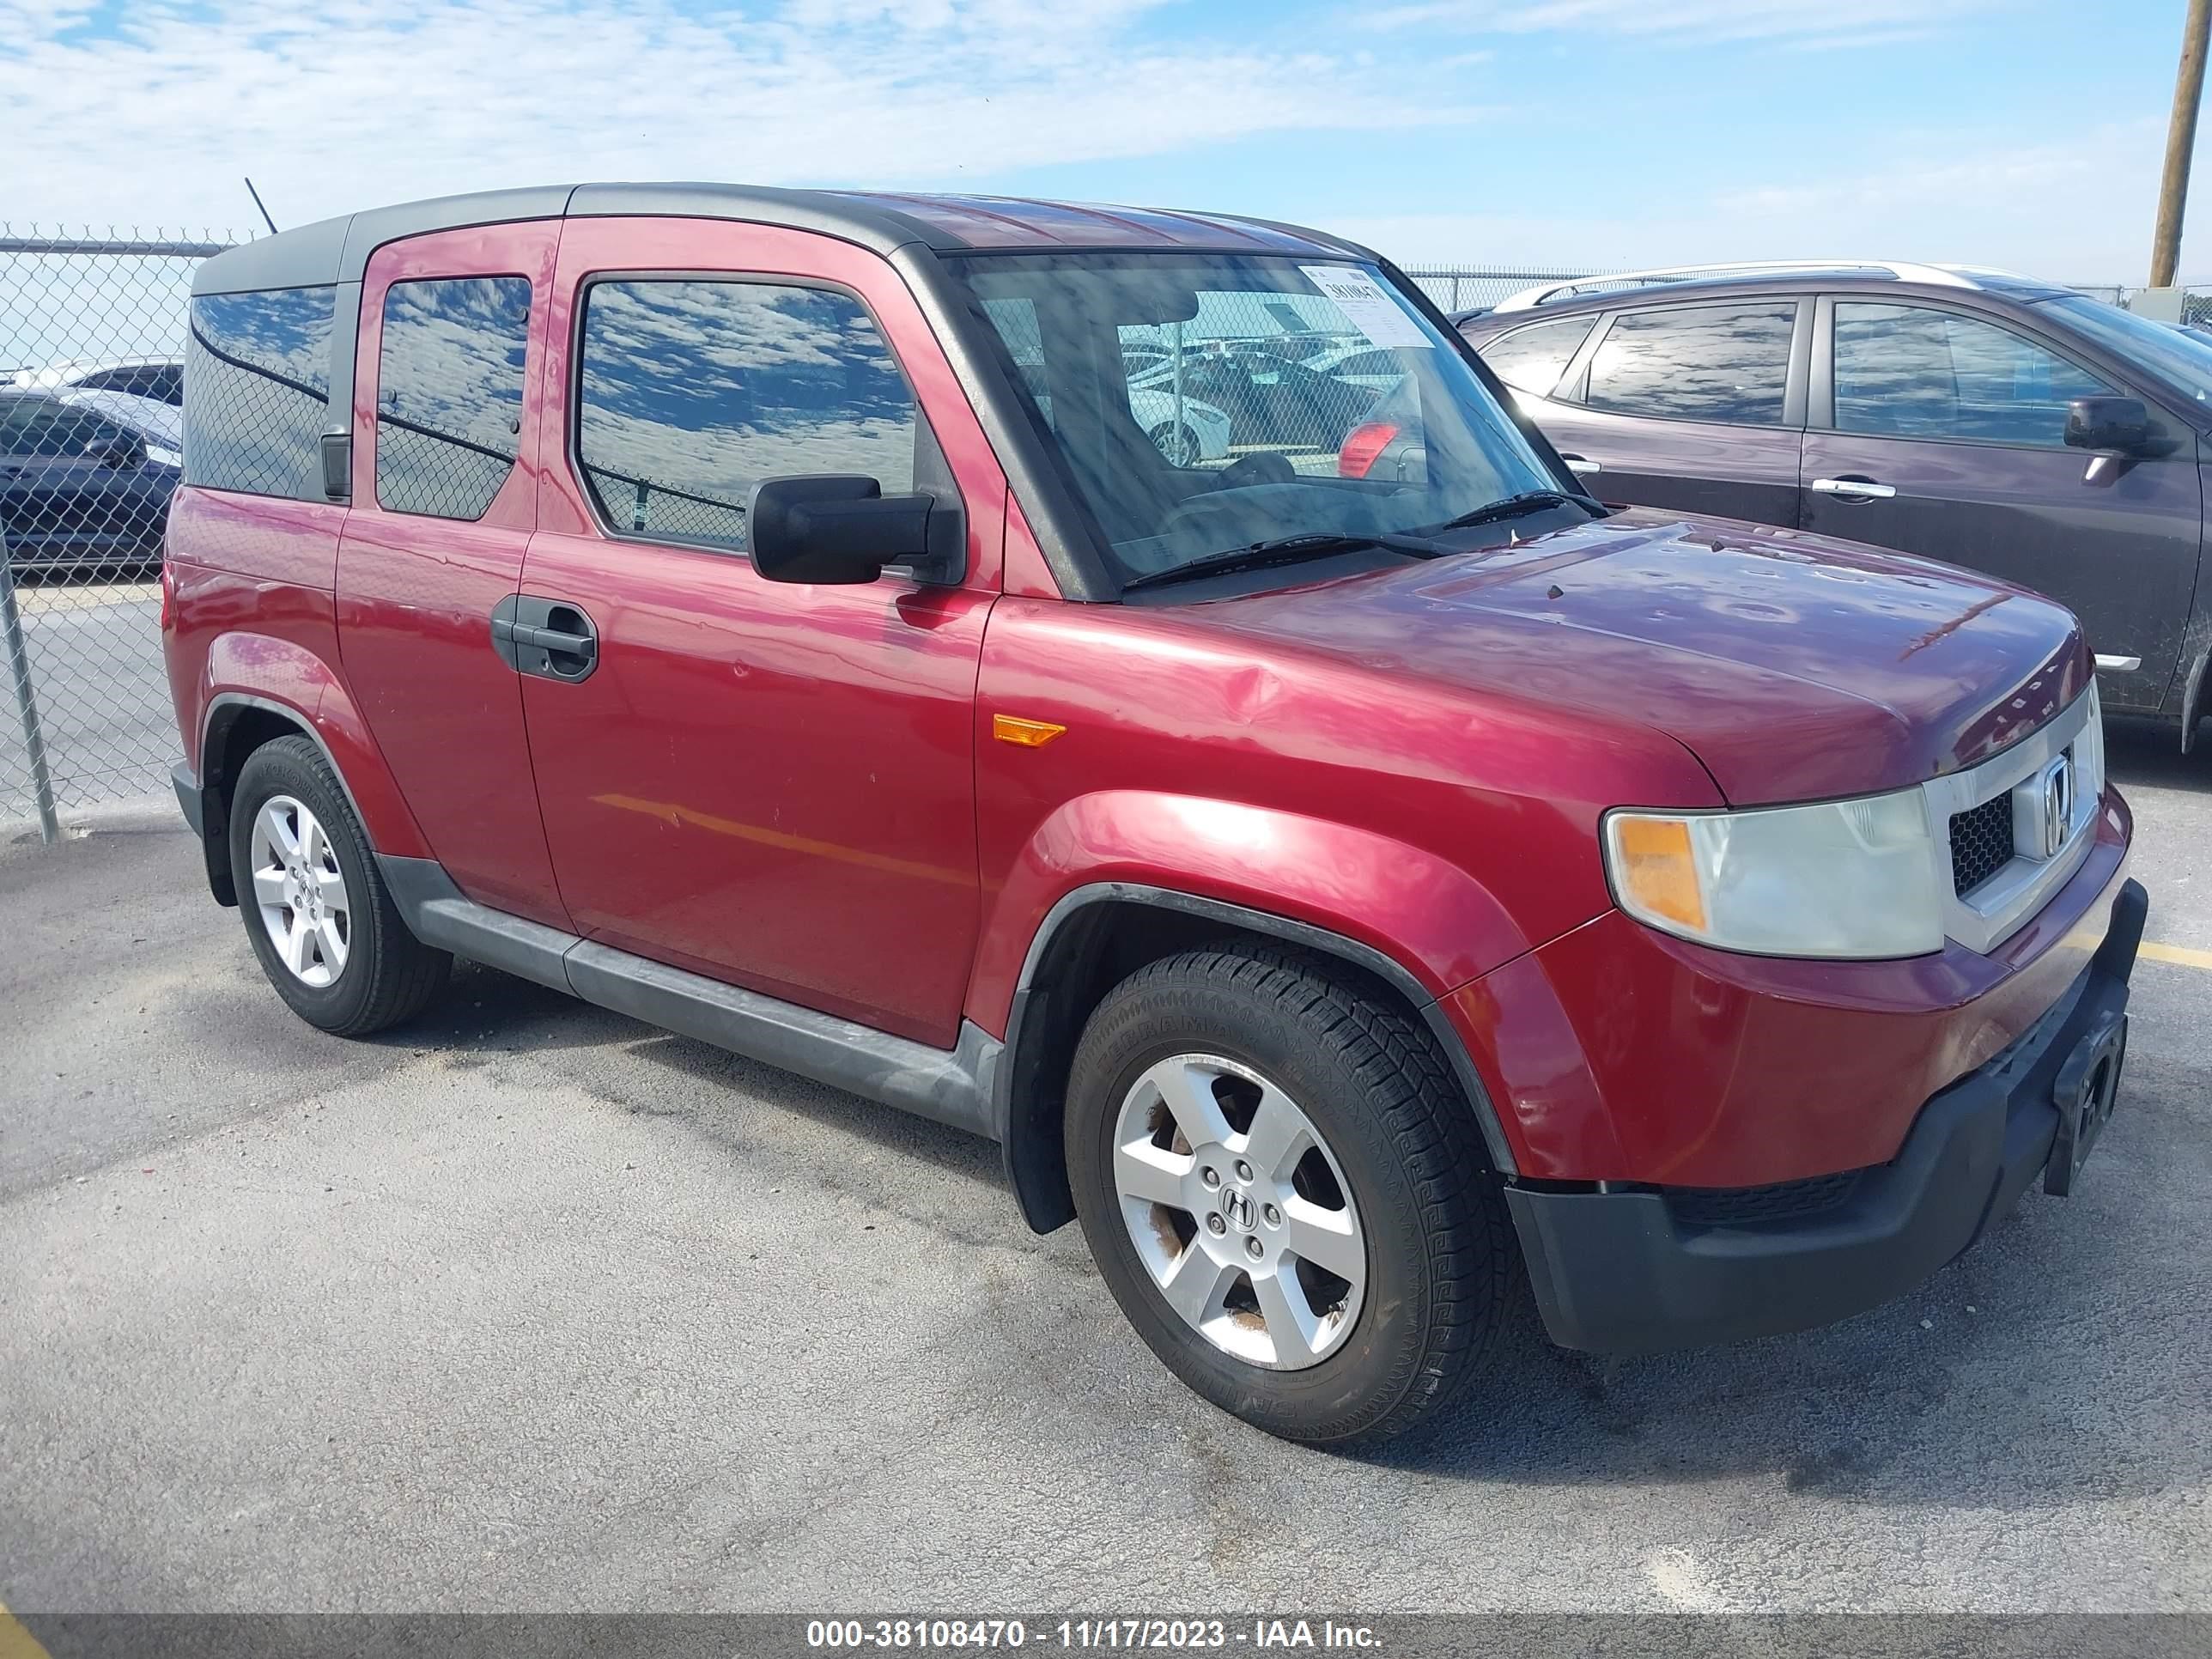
point(1283, 1189)
point(316, 911)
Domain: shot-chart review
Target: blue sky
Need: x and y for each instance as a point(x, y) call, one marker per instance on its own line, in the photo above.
point(2024, 133)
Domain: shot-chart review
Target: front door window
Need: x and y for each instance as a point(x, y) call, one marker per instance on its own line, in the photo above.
point(1916, 371)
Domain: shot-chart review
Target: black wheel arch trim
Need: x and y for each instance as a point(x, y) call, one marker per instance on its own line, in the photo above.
point(216, 723)
point(206, 801)
point(1021, 1118)
point(2192, 692)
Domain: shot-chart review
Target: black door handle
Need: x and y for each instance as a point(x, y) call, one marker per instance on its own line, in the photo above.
point(546, 639)
point(549, 638)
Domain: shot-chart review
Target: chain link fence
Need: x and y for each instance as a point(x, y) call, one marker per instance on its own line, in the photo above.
point(93, 343)
point(91, 337)
point(1466, 288)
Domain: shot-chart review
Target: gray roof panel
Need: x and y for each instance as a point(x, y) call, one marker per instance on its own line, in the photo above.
point(305, 258)
point(374, 227)
point(338, 249)
point(831, 213)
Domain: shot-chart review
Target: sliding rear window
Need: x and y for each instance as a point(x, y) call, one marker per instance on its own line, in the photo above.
point(449, 394)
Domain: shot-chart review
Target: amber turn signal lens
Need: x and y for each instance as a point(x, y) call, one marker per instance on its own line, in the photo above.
point(1658, 870)
point(1028, 734)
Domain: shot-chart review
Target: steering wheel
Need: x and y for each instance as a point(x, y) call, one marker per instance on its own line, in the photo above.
point(1246, 471)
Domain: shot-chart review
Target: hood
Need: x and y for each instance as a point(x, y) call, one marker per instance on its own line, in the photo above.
point(1794, 666)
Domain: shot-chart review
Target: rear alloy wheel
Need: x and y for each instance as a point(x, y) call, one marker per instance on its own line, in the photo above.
point(299, 891)
point(1284, 1186)
point(317, 910)
point(1177, 442)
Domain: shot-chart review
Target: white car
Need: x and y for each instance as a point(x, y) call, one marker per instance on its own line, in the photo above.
point(1363, 364)
point(1202, 434)
point(160, 379)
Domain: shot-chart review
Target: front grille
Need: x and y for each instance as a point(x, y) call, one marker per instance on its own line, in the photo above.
point(1981, 843)
point(1723, 1207)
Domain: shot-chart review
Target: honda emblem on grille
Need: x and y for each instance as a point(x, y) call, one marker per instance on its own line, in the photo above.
point(2055, 795)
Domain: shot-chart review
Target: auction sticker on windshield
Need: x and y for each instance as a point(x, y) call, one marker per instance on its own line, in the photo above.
point(1366, 306)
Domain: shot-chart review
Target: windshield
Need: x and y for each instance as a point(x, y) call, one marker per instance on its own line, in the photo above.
point(2177, 356)
point(1200, 403)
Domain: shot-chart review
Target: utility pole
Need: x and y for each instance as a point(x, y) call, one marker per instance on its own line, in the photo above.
point(2180, 143)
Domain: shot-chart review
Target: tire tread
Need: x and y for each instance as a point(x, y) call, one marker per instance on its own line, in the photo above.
point(1417, 1103)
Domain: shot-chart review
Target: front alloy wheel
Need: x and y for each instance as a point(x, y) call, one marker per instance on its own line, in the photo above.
point(1239, 1211)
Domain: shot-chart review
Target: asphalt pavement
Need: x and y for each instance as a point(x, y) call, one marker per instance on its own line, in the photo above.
point(530, 1306)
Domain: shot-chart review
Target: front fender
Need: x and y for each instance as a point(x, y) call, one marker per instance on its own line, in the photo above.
point(1431, 919)
point(262, 671)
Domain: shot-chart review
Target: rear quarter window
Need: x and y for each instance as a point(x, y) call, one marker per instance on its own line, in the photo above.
point(257, 390)
point(1532, 359)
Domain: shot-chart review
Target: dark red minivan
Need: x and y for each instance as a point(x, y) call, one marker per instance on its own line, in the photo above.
point(774, 615)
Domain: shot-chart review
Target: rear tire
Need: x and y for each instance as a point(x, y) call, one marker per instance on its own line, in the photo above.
point(1250, 1113)
point(316, 911)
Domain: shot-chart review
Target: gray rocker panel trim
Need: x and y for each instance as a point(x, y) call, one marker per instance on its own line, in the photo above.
point(1259, 921)
point(949, 1086)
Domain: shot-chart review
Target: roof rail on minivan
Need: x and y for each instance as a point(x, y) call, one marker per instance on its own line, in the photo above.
point(1941, 276)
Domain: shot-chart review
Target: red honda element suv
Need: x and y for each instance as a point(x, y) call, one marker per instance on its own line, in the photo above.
point(802, 621)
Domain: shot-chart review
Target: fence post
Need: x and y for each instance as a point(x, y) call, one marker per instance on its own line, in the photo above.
point(27, 703)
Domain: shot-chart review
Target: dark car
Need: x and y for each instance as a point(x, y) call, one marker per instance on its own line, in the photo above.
point(78, 491)
point(1388, 446)
point(1983, 419)
point(1275, 393)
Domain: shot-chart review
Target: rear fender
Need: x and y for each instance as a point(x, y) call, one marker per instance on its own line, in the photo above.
point(260, 671)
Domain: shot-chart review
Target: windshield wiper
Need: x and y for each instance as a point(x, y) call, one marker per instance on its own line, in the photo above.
point(1284, 549)
point(1520, 507)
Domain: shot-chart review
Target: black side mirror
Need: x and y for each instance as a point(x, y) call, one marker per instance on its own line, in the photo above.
point(2111, 426)
point(841, 529)
point(120, 452)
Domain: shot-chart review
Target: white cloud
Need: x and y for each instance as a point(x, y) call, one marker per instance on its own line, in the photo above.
point(1797, 22)
point(356, 102)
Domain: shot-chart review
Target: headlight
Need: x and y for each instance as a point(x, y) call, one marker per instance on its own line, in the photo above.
point(1849, 878)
